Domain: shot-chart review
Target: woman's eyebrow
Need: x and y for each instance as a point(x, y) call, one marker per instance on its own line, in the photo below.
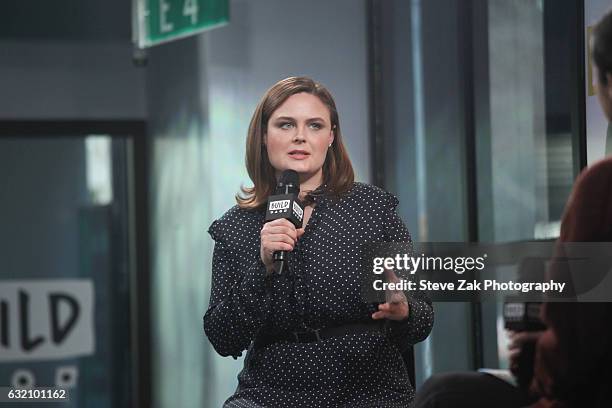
point(307, 120)
point(284, 118)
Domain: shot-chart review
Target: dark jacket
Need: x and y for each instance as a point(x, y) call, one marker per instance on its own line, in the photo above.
point(321, 289)
point(574, 356)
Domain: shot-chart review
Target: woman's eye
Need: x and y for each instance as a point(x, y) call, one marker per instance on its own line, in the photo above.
point(286, 125)
point(316, 126)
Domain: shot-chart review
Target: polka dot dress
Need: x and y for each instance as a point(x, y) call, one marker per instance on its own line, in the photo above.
point(320, 289)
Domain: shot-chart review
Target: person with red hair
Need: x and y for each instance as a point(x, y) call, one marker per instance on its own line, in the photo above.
point(572, 366)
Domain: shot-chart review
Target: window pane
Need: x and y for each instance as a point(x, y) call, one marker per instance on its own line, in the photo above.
point(63, 267)
point(528, 156)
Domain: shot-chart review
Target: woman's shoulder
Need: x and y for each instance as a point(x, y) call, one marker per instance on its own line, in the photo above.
point(372, 194)
point(234, 221)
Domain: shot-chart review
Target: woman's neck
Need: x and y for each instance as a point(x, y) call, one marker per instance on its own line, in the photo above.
point(310, 183)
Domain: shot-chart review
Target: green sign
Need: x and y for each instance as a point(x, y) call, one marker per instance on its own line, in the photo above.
point(159, 21)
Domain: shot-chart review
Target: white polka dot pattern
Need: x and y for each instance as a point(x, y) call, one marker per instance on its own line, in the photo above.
point(320, 289)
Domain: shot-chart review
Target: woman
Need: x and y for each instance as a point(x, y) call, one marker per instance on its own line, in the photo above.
point(312, 340)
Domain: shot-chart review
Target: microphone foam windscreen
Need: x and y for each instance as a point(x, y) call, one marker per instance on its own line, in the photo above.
point(290, 177)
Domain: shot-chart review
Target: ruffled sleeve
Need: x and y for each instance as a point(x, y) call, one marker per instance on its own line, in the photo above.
point(240, 298)
point(419, 323)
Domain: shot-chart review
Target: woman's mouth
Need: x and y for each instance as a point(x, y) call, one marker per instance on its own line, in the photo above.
point(299, 154)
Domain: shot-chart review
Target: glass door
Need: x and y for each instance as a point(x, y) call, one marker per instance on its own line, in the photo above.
point(66, 266)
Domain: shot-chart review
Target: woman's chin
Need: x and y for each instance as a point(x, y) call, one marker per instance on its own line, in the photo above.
point(305, 172)
point(300, 169)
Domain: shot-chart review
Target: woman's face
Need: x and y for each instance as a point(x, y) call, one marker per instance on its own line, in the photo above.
point(298, 135)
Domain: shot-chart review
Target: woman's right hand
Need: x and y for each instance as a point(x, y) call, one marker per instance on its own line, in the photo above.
point(277, 235)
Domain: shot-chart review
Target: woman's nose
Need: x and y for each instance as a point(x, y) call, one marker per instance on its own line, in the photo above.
point(299, 133)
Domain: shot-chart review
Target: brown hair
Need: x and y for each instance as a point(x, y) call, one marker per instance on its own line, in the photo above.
point(338, 175)
point(602, 47)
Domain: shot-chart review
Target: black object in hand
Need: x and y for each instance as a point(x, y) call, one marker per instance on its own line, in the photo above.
point(285, 204)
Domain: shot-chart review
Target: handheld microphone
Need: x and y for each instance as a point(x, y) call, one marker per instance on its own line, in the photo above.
point(285, 204)
point(519, 316)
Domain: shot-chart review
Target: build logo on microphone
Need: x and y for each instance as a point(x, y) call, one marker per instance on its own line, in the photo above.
point(297, 211)
point(279, 206)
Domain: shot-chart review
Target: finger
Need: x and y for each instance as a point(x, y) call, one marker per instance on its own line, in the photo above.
point(513, 345)
point(280, 238)
point(534, 336)
point(300, 232)
point(391, 306)
point(525, 336)
point(271, 240)
point(284, 231)
point(384, 306)
point(511, 336)
point(521, 338)
point(379, 315)
point(395, 311)
point(513, 353)
point(281, 222)
point(278, 246)
point(274, 230)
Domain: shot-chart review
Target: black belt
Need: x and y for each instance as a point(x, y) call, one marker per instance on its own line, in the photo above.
point(312, 335)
